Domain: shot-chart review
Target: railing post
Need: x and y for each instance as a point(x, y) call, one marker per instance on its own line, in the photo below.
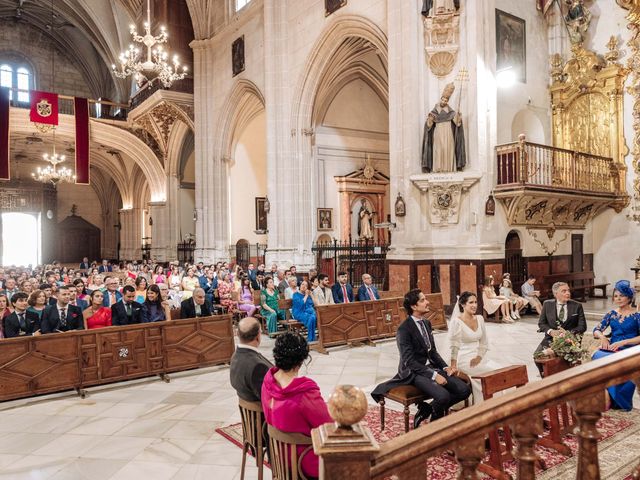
point(524, 167)
point(469, 454)
point(589, 410)
point(345, 448)
point(527, 430)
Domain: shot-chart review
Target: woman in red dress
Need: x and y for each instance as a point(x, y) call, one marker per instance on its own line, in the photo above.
point(96, 315)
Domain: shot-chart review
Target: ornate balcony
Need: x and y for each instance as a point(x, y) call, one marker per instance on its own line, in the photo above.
point(542, 186)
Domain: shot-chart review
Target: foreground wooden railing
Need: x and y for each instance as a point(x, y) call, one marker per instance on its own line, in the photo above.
point(532, 164)
point(356, 456)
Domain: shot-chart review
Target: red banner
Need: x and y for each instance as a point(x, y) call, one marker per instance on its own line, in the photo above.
point(4, 134)
point(44, 107)
point(82, 140)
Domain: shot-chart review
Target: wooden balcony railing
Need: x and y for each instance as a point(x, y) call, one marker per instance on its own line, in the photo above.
point(354, 456)
point(530, 164)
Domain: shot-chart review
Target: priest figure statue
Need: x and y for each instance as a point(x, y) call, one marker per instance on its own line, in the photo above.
point(443, 143)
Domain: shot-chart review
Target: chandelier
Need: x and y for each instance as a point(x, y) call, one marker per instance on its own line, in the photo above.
point(52, 173)
point(155, 64)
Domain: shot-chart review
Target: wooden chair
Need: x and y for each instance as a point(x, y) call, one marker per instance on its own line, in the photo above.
point(238, 314)
point(175, 313)
point(258, 304)
point(496, 315)
point(286, 464)
point(493, 382)
point(253, 429)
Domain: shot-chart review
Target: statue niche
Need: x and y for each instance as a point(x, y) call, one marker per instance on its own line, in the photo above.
point(443, 147)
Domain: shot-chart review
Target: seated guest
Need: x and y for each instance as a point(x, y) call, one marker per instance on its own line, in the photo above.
point(517, 302)
point(141, 289)
point(469, 342)
point(5, 311)
point(341, 290)
point(61, 317)
point(421, 365)
point(128, 311)
point(314, 283)
point(196, 306)
point(493, 302)
point(531, 295)
point(10, 287)
point(281, 281)
point(322, 294)
point(225, 289)
point(559, 315)
point(189, 283)
point(248, 366)
point(105, 267)
point(292, 288)
point(154, 308)
point(37, 302)
point(159, 276)
point(260, 283)
point(209, 283)
point(269, 306)
point(164, 294)
point(81, 291)
point(367, 290)
point(112, 295)
point(293, 404)
point(26, 286)
point(95, 282)
point(624, 322)
point(251, 272)
point(294, 273)
point(73, 300)
point(304, 311)
point(85, 264)
point(96, 315)
point(245, 302)
point(21, 322)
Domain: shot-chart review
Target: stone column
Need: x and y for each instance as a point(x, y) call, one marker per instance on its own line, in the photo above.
point(131, 237)
point(289, 152)
point(161, 247)
point(212, 224)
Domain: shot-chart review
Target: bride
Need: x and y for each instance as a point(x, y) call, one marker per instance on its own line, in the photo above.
point(469, 343)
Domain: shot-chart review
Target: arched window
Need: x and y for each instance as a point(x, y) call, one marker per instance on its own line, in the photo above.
point(18, 78)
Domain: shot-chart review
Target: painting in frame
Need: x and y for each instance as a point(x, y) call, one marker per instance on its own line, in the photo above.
point(325, 219)
point(261, 215)
point(511, 40)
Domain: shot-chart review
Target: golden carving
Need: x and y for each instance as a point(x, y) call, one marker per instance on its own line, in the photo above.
point(588, 119)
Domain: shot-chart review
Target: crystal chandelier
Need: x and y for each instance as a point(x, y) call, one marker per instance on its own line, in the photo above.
point(52, 173)
point(155, 65)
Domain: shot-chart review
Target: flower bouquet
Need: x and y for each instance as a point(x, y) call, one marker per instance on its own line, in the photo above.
point(567, 346)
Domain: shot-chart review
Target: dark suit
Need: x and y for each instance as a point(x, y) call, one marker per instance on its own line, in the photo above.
point(209, 285)
point(12, 326)
point(247, 372)
point(84, 266)
point(336, 291)
point(363, 295)
point(82, 304)
point(103, 269)
point(50, 322)
point(574, 322)
point(188, 309)
point(119, 314)
point(106, 301)
point(418, 362)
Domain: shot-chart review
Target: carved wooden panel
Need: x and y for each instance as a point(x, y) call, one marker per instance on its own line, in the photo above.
point(197, 342)
point(383, 317)
point(57, 362)
point(342, 323)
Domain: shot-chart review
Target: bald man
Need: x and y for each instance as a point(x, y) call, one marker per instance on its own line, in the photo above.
point(248, 366)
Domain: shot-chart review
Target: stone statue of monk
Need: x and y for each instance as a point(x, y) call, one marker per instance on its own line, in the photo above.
point(364, 222)
point(443, 143)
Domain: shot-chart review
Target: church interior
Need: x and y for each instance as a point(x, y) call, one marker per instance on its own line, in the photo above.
point(418, 219)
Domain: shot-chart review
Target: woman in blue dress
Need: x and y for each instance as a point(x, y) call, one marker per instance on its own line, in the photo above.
point(624, 322)
point(304, 311)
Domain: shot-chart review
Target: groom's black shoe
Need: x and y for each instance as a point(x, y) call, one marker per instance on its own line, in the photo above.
point(422, 415)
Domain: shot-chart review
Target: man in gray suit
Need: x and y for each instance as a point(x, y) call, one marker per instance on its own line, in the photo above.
point(558, 315)
point(248, 366)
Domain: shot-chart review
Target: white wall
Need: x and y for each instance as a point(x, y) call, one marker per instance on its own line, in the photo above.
point(85, 198)
point(248, 179)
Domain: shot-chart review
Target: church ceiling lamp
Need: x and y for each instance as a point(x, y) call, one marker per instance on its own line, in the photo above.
point(52, 173)
point(149, 62)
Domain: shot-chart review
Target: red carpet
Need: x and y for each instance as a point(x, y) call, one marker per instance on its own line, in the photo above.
point(617, 449)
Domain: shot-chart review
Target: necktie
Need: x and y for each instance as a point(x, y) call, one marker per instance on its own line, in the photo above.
point(113, 298)
point(344, 294)
point(371, 295)
point(425, 335)
point(63, 318)
point(23, 324)
point(562, 314)
point(128, 305)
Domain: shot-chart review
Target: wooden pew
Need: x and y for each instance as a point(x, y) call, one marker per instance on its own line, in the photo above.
point(384, 294)
point(581, 284)
point(57, 362)
point(364, 322)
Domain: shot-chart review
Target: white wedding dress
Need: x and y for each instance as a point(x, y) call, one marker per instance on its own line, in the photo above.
point(467, 344)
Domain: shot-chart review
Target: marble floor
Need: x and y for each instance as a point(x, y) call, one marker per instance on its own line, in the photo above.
point(149, 429)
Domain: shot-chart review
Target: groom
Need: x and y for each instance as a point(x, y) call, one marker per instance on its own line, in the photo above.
point(421, 365)
point(558, 315)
